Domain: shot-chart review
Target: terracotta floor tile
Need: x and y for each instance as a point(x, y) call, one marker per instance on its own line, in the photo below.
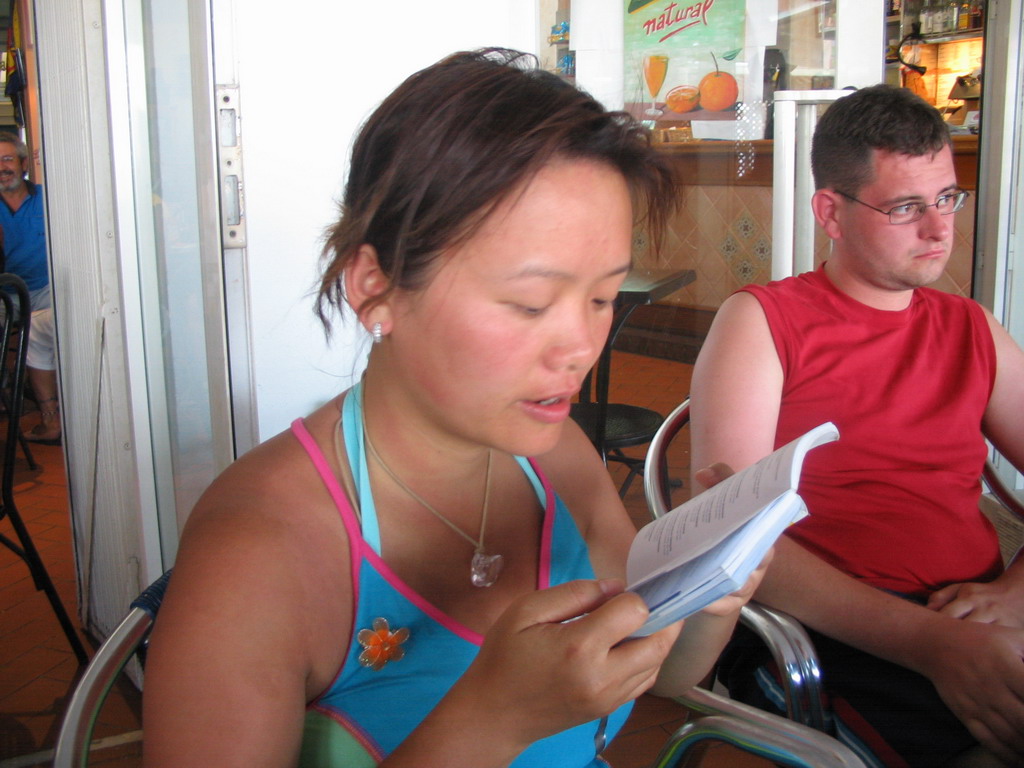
point(37, 666)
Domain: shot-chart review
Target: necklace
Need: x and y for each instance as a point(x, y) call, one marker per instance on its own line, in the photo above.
point(484, 569)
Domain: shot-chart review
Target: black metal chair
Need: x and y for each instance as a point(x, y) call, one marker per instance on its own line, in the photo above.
point(16, 324)
point(13, 337)
point(614, 426)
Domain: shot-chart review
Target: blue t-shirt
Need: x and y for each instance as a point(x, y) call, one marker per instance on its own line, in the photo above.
point(25, 239)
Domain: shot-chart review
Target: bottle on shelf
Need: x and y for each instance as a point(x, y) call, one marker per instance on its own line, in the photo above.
point(926, 17)
point(963, 19)
point(953, 25)
point(976, 13)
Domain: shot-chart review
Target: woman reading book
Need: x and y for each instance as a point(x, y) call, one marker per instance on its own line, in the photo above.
point(390, 581)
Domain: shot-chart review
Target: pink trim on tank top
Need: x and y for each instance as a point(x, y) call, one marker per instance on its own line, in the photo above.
point(359, 549)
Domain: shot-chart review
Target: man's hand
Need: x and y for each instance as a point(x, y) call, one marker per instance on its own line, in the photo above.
point(978, 670)
point(998, 602)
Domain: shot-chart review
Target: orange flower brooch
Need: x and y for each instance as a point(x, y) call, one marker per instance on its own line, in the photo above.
point(381, 645)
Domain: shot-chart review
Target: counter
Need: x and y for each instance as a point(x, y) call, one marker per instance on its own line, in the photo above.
point(717, 163)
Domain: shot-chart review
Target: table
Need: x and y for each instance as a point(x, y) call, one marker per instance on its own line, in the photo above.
point(641, 286)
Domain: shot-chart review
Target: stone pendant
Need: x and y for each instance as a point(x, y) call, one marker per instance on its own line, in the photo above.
point(485, 569)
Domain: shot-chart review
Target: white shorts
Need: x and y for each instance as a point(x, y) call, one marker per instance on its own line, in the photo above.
point(41, 341)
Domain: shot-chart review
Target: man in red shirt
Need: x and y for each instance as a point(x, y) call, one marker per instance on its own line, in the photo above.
point(895, 571)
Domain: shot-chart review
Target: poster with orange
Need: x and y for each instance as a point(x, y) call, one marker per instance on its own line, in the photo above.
point(684, 61)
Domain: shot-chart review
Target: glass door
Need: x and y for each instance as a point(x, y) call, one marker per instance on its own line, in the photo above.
point(179, 248)
point(704, 78)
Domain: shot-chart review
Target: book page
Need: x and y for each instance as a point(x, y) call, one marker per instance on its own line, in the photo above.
point(694, 527)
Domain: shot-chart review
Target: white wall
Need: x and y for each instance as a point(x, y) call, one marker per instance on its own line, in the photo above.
point(301, 101)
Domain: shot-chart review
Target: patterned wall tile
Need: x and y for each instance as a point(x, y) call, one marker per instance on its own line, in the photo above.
point(763, 249)
point(729, 248)
point(744, 226)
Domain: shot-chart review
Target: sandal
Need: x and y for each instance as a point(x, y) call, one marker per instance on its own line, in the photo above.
point(47, 431)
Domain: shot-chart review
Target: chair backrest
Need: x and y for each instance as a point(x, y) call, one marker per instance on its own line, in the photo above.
point(1004, 509)
point(790, 645)
point(17, 318)
point(125, 641)
point(1003, 493)
point(656, 486)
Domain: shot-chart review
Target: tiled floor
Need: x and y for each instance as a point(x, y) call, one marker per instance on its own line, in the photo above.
point(37, 668)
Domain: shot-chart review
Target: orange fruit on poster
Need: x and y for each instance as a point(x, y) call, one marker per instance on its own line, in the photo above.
point(682, 98)
point(718, 91)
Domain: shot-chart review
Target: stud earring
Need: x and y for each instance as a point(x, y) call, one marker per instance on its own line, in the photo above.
point(378, 333)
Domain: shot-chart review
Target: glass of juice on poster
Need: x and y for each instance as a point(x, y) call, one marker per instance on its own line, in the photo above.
point(655, 69)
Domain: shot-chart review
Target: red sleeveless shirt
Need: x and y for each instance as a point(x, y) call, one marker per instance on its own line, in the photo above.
point(893, 502)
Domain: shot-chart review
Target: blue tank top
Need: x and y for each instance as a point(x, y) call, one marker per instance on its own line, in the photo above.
point(404, 653)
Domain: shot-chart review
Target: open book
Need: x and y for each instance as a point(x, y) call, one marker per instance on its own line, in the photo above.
point(708, 547)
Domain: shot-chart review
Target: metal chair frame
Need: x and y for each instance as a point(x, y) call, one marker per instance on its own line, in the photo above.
point(16, 326)
point(753, 731)
point(127, 640)
point(789, 643)
point(1002, 492)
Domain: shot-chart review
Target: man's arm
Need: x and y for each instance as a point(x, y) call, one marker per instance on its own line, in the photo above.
point(736, 389)
point(1000, 601)
point(736, 396)
point(1003, 422)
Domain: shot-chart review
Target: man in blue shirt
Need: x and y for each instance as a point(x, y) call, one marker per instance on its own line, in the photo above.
point(23, 230)
point(22, 221)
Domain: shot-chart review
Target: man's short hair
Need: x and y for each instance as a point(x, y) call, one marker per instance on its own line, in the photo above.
point(879, 117)
point(6, 137)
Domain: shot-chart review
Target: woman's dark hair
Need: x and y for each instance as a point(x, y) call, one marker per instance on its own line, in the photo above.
point(452, 142)
point(879, 117)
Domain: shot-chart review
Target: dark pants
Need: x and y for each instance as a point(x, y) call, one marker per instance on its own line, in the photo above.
point(894, 712)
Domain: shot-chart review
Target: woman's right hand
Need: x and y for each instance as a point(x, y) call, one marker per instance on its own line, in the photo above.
point(556, 659)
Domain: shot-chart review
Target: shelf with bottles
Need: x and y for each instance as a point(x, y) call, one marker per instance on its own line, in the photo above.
point(940, 21)
point(565, 64)
point(559, 34)
point(952, 37)
point(827, 19)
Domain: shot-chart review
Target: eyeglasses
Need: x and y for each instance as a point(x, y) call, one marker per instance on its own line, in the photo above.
point(908, 213)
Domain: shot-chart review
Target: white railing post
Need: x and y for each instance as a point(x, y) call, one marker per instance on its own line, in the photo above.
point(792, 185)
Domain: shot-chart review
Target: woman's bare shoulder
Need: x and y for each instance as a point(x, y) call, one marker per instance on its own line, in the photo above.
point(275, 485)
point(263, 545)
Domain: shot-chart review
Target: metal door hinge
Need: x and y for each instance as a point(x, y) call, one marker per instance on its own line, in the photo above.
point(229, 163)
